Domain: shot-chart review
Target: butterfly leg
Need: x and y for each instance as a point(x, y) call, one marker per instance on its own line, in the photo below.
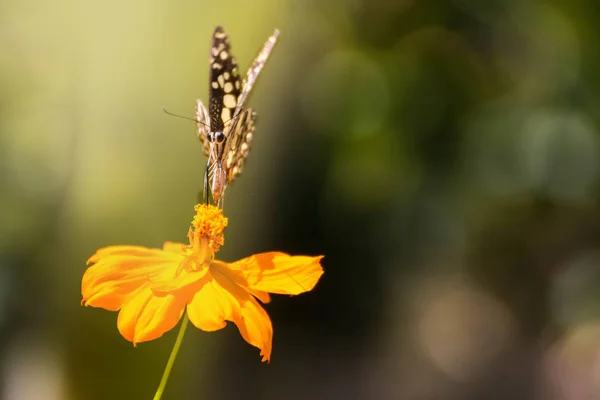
point(206, 194)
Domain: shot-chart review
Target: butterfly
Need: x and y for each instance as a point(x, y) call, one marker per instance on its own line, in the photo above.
point(226, 128)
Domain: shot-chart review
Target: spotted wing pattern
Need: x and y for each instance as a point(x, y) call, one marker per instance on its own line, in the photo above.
point(239, 137)
point(224, 81)
point(203, 122)
point(254, 70)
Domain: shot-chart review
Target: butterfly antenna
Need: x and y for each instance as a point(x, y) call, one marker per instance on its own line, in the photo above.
point(184, 117)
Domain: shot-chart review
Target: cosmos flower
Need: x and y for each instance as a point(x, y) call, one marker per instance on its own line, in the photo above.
point(152, 288)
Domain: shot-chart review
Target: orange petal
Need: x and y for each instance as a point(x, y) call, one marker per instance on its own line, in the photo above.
point(118, 271)
point(221, 300)
point(174, 247)
point(264, 297)
point(146, 317)
point(130, 251)
point(277, 272)
point(188, 282)
point(239, 279)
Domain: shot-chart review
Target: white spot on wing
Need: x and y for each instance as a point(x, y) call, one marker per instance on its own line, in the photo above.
point(229, 100)
point(225, 115)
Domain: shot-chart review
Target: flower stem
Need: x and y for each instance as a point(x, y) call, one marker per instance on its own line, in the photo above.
point(172, 357)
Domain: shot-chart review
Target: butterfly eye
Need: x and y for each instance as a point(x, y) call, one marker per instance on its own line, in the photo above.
point(219, 137)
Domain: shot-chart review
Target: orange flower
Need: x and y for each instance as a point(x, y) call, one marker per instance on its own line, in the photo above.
point(151, 288)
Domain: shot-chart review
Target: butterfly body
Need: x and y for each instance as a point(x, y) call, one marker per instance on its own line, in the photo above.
point(226, 128)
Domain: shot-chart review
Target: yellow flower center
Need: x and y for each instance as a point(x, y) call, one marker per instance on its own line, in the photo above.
point(206, 236)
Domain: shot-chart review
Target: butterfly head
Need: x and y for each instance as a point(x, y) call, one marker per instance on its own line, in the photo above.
point(216, 137)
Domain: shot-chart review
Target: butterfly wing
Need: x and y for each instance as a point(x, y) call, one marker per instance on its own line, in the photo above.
point(240, 132)
point(224, 81)
point(239, 137)
point(203, 122)
point(254, 70)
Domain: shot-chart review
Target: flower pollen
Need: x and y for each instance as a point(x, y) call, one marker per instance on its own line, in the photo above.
point(207, 228)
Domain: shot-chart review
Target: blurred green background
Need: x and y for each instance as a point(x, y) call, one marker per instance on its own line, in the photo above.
point(442, 154)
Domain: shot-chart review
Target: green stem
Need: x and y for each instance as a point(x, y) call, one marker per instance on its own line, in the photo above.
point(172, 357)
